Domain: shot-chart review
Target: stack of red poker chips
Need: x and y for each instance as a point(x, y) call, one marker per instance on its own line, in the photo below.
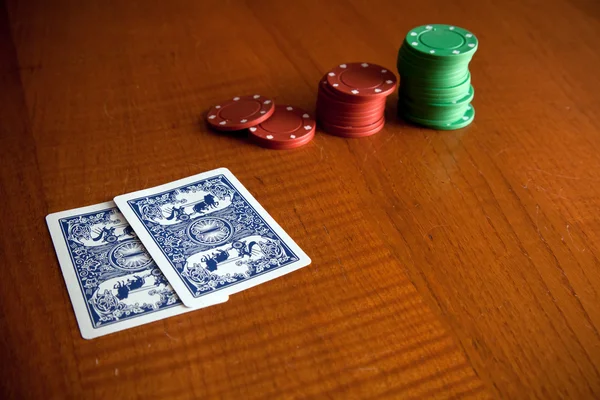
point(351, 99)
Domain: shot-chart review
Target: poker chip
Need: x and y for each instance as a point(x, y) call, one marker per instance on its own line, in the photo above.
point(362, 80)
point(240, 113)
point(354, 131)
point(440, 41)
point(351, 99)
point(457, 123)
point(438, 94)
point(349, 118)
point(440, 111)
point(356, 121)
point(324, 107)
point(289, 127)
point(433, 63)
point(332, 101)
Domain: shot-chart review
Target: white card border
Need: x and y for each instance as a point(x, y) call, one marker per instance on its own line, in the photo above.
point(164, 264)
point(78, 300)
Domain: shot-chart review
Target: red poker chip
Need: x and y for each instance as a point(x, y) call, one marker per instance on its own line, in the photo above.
point(354, 122)
point(240, 113)
point(334, 104)
point(355, 102)
point(333, 93)
point(289, 127)
point(324, 113)
point(362, 80)
point(325, 107)
point(351, 131)
point(364, 108)
point(354, 128)
point(325, 110)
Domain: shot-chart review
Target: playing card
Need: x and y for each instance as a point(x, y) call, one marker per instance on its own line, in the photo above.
point(209, 236)
point(112, 281)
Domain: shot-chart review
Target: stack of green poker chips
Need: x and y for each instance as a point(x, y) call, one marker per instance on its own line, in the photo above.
point(435, 87)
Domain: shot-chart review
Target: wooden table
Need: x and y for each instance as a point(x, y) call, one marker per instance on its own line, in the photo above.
point(445, 264)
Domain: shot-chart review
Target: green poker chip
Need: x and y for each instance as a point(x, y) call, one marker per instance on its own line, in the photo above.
point(458, 123)
point(463, 98)
point(438, 40)
point(435, 88)
point(439, 116)
point(443, 94)
point(438, 111)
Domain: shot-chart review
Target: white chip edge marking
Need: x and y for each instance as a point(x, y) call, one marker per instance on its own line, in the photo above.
point(222, 122)
point(243, 121)
point(236, 98)
point(471, 45)
point(429, 27)
point(292, 136)
point(305, 116)
point(465, 118)
point(469, 35)
point(469, 108)
point(267, 102)
point(377, 90)
point(307, 127)
point(343, 65)
point(289, 108)
point(456, 52)
point(256, 96)
point(413, 34)
point(354, 91)
point(389, 81)
point(263, 112)
point(415, 43)
point(432, 51)
point(212, 116)
point(383, 71)
point(217, 106)
point(253, 129)
point(269, 137)
point(331, 74)
point(451, 28)
point(335, 85)
point(364, 65)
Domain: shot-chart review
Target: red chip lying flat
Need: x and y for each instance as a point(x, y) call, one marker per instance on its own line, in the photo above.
point(362, 80)
point(240, 113)
point(334, 101)
point(288, 128)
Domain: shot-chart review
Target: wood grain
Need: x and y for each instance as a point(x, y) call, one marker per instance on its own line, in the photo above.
point(445, 264)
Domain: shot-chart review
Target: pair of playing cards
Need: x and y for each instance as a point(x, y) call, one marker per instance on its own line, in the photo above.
point(167, 250)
